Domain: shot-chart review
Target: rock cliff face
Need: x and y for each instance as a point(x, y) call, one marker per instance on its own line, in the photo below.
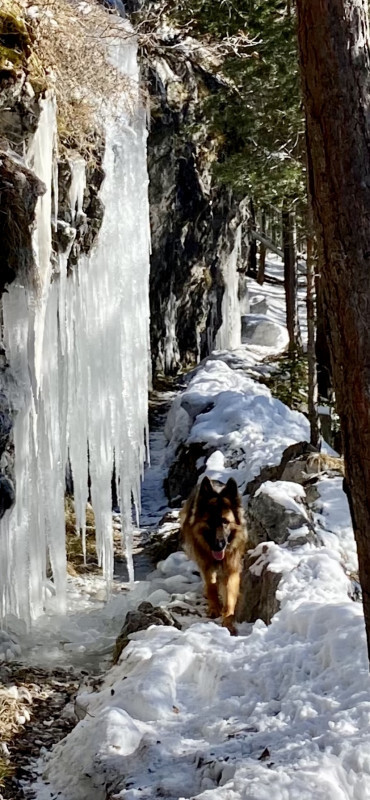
point(194, 221)
point(19, 191)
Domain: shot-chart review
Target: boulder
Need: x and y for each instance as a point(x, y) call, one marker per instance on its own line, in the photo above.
point(166, 539)
point(183, 472)
point(259, 329)
point(139, 620)
point(278, 513)
point(257, 598)
point(292, 467)
point(258, 304)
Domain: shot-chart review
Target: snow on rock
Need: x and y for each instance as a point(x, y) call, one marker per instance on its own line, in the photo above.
point(277, 512)
point(261, 330)
point(233, 414)
point(285, 493)
point(333, 520)
point(257, 305)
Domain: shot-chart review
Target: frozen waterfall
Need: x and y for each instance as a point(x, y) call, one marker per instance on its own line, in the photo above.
point(229, 334)
point(78, 346)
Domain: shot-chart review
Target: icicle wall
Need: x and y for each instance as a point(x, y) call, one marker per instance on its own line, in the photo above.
point(229, 334)
point(79, 348)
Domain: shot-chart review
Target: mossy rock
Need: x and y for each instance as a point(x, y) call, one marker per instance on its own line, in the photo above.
point(15, 42)
point(10, 60)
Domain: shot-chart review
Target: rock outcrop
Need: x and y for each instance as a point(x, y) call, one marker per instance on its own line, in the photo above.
point(145, 615)
point(194, 221)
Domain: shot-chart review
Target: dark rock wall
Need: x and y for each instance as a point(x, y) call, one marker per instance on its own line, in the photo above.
point(193, 219)
point(78, 235)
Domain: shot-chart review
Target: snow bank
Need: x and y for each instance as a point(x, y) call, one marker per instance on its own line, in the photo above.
point(225, 409)
point(282, 712)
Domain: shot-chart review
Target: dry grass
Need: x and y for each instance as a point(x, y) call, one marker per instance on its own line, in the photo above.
point(6, 770)
point(14, 712)
point(75, 559)
point(71, 40)
point(320, 462)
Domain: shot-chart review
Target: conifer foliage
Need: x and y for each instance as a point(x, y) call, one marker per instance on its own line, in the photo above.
point(258, 113)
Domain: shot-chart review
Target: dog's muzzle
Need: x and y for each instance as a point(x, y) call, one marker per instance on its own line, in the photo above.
point(219, 553)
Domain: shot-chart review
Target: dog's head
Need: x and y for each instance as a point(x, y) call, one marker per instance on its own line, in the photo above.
point(219, 515)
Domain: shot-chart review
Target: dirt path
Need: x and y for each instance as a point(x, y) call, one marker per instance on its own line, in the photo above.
point(47, 697)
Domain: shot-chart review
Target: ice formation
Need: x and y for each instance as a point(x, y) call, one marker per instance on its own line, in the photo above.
point(79, 348)
point(229, 334)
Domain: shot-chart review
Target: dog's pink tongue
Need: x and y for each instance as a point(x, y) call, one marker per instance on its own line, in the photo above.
point(218, 554)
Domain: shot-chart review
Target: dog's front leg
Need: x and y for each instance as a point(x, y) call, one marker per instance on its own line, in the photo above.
point(231, 594)
point(210, 580)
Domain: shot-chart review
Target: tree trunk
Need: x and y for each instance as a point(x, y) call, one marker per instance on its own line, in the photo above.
point(324, 371)
point(262, 258)
point(290, 278)
point(311, 333)
point(252, 259)
point(335, 63)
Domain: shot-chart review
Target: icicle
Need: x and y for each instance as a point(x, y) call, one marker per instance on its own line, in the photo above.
point(77, 187)
point(79, 347)
point(171, 351)
point(229, 334)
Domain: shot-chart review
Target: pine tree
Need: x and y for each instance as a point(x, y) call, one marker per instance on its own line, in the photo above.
point(335, 58)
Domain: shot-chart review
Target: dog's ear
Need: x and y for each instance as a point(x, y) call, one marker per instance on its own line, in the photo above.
point(231, 491)
point(206, 490)
point(206, 486)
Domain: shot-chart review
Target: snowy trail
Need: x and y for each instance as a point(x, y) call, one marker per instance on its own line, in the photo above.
point(281, 711)
point(153, 499)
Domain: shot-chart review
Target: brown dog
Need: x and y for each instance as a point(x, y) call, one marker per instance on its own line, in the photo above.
point(214, 535)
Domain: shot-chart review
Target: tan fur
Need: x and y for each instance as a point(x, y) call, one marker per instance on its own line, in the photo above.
point(214, 511)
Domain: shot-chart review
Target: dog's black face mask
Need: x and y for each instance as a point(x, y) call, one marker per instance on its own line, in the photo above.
point(220, 511)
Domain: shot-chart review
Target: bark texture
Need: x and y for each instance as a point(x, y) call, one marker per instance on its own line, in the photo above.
point(290, 278)
point(311, 333)
point(335, 62)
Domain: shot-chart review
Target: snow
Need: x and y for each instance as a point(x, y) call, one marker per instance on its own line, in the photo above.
point(285, 493)
point(79, 350)
point(272, 292)
point(259, 329)
point(243, 420)
point(280, 711)
point(192, 712)
point(333, 520)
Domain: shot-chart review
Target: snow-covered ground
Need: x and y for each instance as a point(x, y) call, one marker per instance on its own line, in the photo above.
point(281, 711)
point(273, 292)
